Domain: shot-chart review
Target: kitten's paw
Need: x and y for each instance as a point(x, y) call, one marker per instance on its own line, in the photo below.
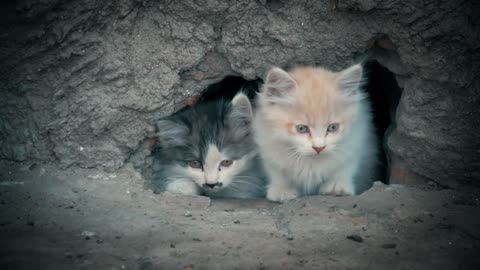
point(183, 187)
point(337, 188)
point(280, 194)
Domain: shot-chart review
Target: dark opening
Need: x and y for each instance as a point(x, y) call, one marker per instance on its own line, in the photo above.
point(228, 87)
point(384, 93)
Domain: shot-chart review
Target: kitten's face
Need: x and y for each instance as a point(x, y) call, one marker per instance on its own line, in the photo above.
point(310, 110)
point(210, 144)
point(216, 169)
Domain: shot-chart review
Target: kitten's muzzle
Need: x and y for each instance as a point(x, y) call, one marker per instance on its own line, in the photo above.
point(213, 185)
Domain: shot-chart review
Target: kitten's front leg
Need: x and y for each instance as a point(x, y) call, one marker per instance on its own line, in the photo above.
point(280, 188)
point(339, 184)
point(183, 187)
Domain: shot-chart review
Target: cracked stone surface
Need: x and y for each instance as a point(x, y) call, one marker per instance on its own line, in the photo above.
point(82, 82)
point(52, 218)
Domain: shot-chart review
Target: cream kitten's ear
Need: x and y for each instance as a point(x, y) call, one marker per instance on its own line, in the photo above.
point(350, 81)
point(278, 86)
point(171, 133)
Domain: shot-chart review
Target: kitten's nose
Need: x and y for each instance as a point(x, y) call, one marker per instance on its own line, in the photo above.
point(212, 185)
point(318, 149)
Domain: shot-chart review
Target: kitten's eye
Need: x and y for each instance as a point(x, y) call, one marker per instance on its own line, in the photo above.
point(302, 129)
point(226, 163)
point(195, 164)
point(333, 127)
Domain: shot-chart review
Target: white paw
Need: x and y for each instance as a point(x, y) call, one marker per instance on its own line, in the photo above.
point(183, 187)
point(337, 188)
point(279, 194)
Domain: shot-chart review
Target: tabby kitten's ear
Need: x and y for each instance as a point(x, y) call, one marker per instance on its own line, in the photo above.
point(240, 115)
point(278, 87)
point(171, 133)
point(350, 81)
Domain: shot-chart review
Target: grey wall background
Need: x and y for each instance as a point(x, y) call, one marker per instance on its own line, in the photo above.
point(82, 82)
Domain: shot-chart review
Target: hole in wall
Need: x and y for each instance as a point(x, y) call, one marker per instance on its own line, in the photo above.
point(384, 93)
point(381, 85)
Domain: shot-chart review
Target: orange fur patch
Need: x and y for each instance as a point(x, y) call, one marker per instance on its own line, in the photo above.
point(318, 93)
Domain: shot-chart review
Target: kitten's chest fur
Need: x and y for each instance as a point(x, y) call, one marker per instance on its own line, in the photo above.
point(303, 170)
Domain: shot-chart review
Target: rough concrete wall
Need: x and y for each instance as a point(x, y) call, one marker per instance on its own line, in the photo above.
point(82, 81)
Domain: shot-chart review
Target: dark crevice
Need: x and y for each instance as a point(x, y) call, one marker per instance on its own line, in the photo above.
point(384, 93)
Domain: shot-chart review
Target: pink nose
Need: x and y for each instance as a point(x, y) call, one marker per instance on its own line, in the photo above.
point(318, 149)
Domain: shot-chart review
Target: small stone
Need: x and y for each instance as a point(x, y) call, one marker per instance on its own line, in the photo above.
point(197, 239)
point(187, 214)
point(389, 245)
point(172, 246)
point(418, 220)
point(290, 237)
point(237, 221)
point(289, 252)
point(355, 205)
point(30, 223)
point(356, 238)
point(99, 241)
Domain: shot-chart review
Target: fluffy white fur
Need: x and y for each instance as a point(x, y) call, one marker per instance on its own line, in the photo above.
point(314, 97)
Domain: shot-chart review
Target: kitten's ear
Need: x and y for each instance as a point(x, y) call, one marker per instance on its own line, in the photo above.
point(240, 116)
point(241, 106)
point(278, 85)
point(350, 81)
point(171, 133)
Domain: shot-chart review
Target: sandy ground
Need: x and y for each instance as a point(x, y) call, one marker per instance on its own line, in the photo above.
point(54, 218)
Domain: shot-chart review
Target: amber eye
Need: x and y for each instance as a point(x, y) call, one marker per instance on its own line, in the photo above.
point(302, 129)
point(333, 127)
point(226, 163)
point(195, 164)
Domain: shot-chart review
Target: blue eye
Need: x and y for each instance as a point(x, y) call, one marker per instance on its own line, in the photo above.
point(302, 129)
point(333, 127)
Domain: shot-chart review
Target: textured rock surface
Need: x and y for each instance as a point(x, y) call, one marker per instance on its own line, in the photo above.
point(81, 82)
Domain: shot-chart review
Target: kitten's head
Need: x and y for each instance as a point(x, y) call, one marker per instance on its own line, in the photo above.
point(310, 109)
point(210, 143)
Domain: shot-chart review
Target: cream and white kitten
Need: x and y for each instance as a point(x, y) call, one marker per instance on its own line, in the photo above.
point(314, 129)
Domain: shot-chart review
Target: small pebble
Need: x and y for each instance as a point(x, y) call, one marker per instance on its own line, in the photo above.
point(99, 241)
point(355, 206)
point(187, 214)
point(356, 238)
point(172, 245)
point(237, 221)
point(30, 223)
point(290, 237)
point(389, 245)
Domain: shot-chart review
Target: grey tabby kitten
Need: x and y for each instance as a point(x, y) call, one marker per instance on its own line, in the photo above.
point(208, 149)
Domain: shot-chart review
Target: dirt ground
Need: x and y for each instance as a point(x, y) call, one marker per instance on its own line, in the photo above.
point(53, 218)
